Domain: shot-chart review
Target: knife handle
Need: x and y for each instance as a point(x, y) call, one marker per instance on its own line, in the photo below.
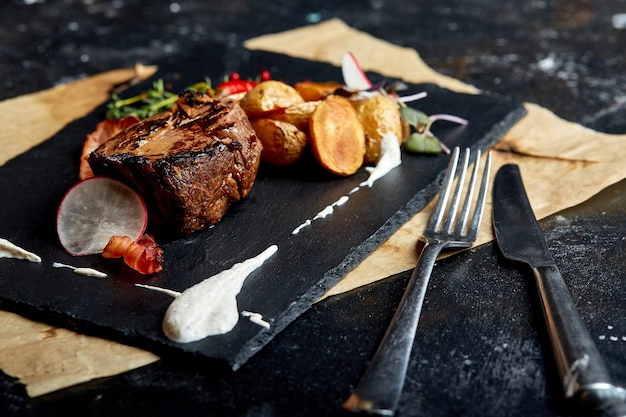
point(583, 373)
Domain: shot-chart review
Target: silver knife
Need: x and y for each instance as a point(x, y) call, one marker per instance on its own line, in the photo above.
point(584, 376)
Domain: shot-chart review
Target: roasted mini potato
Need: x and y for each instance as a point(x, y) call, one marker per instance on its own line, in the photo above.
point(379, 115)
point(283, 143)
point(316, 90)
point(298, 114)
point(269, 96)
point(337, 136)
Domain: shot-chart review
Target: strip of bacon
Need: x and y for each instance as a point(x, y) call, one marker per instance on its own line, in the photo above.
point(143, 255)
point(105, 130)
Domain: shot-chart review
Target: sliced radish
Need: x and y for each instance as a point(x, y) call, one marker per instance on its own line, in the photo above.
point(95, 209)
point(353, 76)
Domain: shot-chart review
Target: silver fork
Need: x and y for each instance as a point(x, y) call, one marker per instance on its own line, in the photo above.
point(378, 391)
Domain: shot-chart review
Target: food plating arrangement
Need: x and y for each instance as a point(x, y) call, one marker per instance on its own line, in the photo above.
point(234, 219)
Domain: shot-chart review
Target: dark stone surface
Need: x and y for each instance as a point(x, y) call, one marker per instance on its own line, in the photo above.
point(481, 349)
point(563, 54)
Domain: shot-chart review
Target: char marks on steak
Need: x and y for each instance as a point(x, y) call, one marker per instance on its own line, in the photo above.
point(189, 164)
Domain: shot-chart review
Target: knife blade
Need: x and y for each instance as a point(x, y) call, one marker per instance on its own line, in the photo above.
point(584, 375)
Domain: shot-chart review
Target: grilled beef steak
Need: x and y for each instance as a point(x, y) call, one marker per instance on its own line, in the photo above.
point(189, 164)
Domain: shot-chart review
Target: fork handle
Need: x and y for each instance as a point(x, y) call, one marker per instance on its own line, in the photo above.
point(378, 391)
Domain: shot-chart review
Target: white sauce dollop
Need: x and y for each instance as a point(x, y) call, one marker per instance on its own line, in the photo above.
point(390, 157)
point(10, 250)
point(210, 307)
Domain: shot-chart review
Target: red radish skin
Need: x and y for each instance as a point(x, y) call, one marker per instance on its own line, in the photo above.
point(353, 76)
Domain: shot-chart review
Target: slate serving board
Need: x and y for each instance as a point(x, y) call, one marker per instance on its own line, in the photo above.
point(304, 268)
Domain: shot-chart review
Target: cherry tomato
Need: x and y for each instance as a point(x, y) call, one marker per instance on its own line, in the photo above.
point(236, 86)
point(266, 75)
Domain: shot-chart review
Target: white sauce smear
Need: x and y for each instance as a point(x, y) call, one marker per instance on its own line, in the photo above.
point(209, 307)
point(10, 250)
point(256, 318)
point(390, 157)
point(88, 272)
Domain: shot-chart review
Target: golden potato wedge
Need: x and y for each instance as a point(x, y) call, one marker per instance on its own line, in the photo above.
point(379, 115)
point(316, 90)
point(283, 143)
point(337, 136)
point(268, 96)
point(298, 114)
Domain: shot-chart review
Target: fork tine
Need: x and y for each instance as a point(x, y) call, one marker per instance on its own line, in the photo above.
point(482, 197)
point(458, 167)
point(454, 205)
point(437, 216)
point(467, 204)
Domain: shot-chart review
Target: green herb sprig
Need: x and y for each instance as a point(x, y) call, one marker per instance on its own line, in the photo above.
point(149, 102)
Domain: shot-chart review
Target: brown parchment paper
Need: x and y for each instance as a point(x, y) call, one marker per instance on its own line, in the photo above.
point(33, 118)
point(563, 164)
point(47, 358)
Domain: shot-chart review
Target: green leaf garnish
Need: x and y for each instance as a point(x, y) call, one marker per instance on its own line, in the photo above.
point(419, 120)
point(423, 143)
point(149, 102)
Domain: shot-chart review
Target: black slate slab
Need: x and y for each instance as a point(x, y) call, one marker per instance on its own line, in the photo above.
point(481, 350)
point(306, 265)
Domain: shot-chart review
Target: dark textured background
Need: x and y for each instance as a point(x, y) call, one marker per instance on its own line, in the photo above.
point(566, 55)
point(485, 356)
